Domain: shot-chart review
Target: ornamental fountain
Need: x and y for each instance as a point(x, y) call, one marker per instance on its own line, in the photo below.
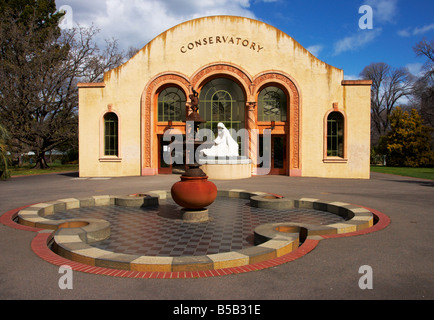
point(194, 192)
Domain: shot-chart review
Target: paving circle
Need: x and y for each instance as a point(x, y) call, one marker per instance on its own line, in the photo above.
point(144, 235)
point(160, 231)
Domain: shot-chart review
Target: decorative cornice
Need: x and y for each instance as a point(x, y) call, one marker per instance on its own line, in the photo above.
point(356, 82)
point(91, 85)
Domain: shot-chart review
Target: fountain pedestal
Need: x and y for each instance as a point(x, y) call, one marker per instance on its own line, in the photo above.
point(194, 193)
point(227, 168)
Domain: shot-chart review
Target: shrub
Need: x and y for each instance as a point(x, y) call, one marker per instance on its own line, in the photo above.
point(408, 141)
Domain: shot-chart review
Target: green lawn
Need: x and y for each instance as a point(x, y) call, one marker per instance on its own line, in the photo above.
point(424, 173)
point(27, 170)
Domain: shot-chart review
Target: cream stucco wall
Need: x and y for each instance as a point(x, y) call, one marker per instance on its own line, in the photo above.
point(356, 107)
point(319, 86)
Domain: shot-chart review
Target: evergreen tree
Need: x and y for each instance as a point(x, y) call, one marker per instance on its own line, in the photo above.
point(29, 55)
point(408, 141)
point(40, 66)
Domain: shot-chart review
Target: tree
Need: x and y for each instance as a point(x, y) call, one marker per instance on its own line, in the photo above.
point(424, 88)
point(40, 66)
point(131, 52)
point(26, 28)
point(408, 142)
point(388, 86)
point(425, 48)
point(4, 139)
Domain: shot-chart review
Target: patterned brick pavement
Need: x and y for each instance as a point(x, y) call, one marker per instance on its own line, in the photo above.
point(159, 231)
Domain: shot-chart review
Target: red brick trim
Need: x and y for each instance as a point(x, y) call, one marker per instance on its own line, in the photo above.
point(7, 220)
point(40, 246)
point(382, 222)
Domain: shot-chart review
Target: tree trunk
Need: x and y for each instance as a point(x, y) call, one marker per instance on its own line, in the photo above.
point(41, 162)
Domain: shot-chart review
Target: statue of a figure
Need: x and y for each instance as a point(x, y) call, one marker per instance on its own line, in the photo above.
point(194, 101)
point(224, 144)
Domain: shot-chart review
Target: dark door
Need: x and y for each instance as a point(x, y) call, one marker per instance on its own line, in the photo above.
point(164, 153)
point(277, 151)
point(278, 155)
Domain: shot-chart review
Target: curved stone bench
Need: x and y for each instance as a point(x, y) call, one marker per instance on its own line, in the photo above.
point(357, 218)
point(72, 238)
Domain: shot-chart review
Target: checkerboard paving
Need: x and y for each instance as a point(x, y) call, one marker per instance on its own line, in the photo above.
point(160, 231)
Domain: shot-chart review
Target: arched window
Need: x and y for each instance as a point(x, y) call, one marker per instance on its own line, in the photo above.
point(222, 100)
point(335, 135)
point(171, 105)
point(111, 134)
point(272, 104)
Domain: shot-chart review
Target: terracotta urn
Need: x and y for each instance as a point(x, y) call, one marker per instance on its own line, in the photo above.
point(194, 191)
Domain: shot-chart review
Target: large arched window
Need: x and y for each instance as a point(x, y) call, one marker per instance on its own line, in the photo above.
point(111, 134)
point(335, 135)
point(272, 104)
point(222, 100)
point(171, 105)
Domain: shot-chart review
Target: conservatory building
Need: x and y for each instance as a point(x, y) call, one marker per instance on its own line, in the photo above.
point(291, 113)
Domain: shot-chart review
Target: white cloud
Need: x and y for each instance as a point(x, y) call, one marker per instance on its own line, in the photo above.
point(405, 32)
point(415, 68)
point(351, 77)
point(136, 22)
point(385, 11)
point(416, 31)
point(424, 29)
point(315, 49)
point(354, 42)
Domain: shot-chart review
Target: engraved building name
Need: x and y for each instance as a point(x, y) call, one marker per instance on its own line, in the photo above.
point(238, 41)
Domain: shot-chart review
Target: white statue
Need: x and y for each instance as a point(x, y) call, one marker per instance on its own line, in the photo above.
point(224, 144)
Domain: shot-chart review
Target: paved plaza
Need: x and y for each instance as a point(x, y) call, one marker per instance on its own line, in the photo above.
point(400, 255)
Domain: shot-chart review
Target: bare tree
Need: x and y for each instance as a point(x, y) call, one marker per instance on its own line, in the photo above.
point(89, 61)
point(131, 52)
point(424, 88)
point(426, 48)
point(38, 91)
point(389, 85)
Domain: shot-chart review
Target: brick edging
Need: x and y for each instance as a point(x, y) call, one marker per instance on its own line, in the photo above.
point(40, 247)
point(277, 253)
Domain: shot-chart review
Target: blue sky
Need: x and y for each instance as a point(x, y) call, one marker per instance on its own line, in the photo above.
point(323, 25)
point(329, 29)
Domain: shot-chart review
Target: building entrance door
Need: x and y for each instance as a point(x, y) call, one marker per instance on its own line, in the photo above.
point(278, 154)
point(171, 156)
point(165, 153)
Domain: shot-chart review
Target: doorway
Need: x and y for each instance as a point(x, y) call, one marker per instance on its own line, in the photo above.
point(278, 154)
point(171, 157)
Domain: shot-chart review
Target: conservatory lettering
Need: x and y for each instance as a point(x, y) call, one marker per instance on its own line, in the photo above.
point(238, 41)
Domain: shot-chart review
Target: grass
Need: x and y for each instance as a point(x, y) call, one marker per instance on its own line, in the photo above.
point(424, 173)
point(54, 168)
